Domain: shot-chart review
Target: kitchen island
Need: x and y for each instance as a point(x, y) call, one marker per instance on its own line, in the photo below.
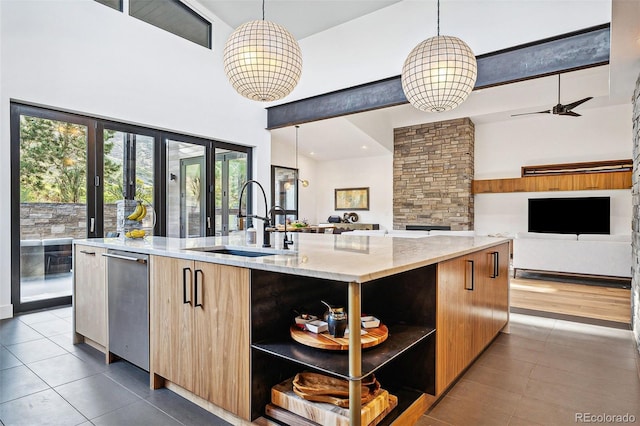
point(219, 323)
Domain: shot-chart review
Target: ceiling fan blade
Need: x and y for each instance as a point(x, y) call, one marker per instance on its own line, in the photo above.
point(571, 113)
point(537, 112)
point(576, 103)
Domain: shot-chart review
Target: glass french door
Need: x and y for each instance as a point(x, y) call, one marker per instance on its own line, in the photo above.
point(128, 170)
point(231, 172)
point(192, 210)
point(70, 173)
point(186, 189)
point(54, 152)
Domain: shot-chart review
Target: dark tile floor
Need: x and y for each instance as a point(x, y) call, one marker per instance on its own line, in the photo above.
point(46, 379)
point(546, 372)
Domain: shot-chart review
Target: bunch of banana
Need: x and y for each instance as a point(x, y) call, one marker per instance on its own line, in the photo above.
point(135, 233)
point(139, 213)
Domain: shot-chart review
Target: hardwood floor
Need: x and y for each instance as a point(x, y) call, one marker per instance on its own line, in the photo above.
point(569, 297)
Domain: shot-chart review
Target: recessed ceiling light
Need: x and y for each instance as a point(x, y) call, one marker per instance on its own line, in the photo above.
point(364, 147)
point(312, 153)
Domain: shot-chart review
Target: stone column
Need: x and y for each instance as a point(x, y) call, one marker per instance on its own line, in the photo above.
point(432, 174)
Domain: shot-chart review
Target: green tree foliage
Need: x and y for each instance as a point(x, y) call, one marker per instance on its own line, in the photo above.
point(53, 161)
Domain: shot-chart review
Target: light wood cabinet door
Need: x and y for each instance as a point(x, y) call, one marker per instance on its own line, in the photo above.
point(200, 325)
point(172, 321)
point(89, 294)
point(222, 323)
point(500, 290)
point(453, 321)
point(482, 301)
point(472, 307)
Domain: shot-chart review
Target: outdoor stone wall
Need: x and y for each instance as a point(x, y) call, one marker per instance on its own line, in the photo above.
point(635, 241)
point(432, 174)
point(59, 220)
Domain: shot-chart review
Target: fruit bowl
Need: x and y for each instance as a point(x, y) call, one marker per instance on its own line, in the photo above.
point(136, 218)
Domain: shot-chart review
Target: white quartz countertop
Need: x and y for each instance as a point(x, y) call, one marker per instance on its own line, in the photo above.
point(337, 257)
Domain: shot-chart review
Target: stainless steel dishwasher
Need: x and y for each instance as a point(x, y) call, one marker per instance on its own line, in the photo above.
point(128, 298)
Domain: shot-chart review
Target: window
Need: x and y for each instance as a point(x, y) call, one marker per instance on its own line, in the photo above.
point(114, 4)
point(175, 17)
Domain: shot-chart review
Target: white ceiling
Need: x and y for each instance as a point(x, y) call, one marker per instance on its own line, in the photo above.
point(371, 133)
point(301, 17)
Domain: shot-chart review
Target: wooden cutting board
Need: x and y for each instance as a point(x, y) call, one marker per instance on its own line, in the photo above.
point(373, 337)
point(282, 396)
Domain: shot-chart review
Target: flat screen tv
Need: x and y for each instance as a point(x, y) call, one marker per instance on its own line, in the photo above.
point(586, 215)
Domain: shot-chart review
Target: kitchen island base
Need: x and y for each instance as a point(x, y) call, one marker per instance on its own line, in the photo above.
point(220, 324)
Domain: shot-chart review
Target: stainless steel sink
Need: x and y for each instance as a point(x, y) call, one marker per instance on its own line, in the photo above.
point(236, 252)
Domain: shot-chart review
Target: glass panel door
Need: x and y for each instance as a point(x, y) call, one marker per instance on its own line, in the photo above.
point(192, 213)
point(231, 173)
point(128, 176)
point(53, 205)
point(186, 195)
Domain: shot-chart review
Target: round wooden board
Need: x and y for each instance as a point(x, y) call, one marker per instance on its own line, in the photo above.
point(373, 337)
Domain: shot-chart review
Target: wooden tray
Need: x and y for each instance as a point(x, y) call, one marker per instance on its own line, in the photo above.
point(286, 406)
point(373, 337)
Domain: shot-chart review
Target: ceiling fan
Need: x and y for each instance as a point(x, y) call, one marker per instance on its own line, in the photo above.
point(560, 109)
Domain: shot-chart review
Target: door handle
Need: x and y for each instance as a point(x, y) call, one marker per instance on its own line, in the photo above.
point(130, 258)
point(208, 222)
point(184, 284)
point(496, 264)
point(471, 274)
point(92, 225)
point(195, 289)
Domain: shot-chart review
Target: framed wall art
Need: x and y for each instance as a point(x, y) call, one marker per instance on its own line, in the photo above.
point(352, 199)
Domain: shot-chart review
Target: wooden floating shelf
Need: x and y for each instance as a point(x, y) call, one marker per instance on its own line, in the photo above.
point(372, 337)
point(560, 182)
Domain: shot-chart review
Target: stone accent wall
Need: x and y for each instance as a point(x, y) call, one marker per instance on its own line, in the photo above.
point(432, 174)
point(59, 220)
point(635, 241)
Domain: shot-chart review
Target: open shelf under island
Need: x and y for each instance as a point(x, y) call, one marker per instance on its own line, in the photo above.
point(219, 324)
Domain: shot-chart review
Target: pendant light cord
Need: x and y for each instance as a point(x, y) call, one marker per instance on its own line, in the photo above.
point(297, 127)
point(438, 18)
point(263, 9)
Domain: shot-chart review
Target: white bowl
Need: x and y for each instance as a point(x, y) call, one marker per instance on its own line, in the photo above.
point(317, 326)
point(370, 322)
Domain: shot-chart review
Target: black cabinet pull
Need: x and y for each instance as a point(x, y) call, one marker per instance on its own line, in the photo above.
point(496, 264)
point(90, 253)
point(184, 284)
point(472, 274)
point(195, 288)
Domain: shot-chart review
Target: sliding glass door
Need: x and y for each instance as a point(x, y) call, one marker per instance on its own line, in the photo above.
point(186, 190)
point(76, 177)
point(231, 172)
point(128, 172)
point(53, 151)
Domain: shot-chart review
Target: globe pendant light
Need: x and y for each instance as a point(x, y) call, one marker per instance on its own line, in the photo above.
point(262, 60)
point(439, 73)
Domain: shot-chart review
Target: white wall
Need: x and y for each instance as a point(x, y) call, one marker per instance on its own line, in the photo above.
point(501, 148)
point(85, 57)
point(375, 46)
point(376, 173)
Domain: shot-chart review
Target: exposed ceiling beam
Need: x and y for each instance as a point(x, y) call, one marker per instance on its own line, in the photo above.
point(568, 52)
